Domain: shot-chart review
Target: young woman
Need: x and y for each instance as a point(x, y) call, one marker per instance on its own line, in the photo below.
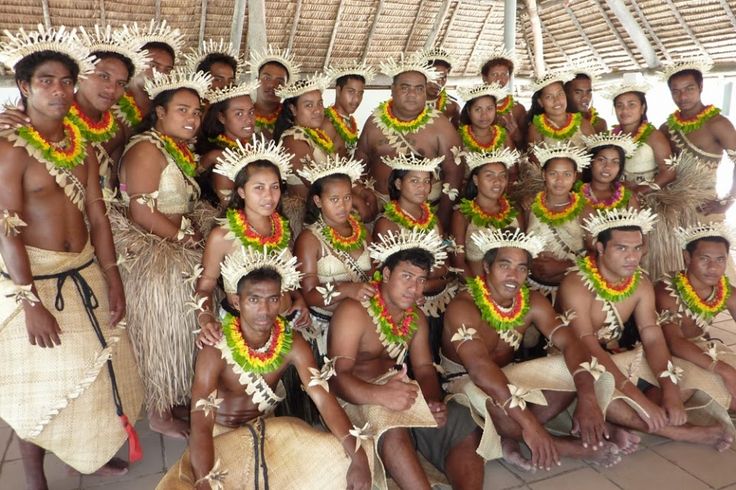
point(478, 129)
point(602, 184)
point(485, 205)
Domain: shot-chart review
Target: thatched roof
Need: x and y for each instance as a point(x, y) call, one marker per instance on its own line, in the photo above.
point(324, 31)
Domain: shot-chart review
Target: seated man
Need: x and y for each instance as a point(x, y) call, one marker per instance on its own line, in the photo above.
point(484, 326)
point(235, 387)
point(370, 340)
point(605, 291)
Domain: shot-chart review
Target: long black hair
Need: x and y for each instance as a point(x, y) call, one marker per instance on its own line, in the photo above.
point(587, 175)
point(465, 112)
point(211, 127)
point(536, 107)
point(471, 189)
point(161, 100)
point(237, 202)
point(312, 212)
point(286, 119)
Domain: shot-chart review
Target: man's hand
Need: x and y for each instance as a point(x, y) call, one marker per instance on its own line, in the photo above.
point(439, 412)
point(43, 329)
point(589, 424)
point(542, 446)
point(656, 417)
point(303, 320)
point(398, 394)
point(673, 406)
point(13, 118)
point(359, 472)
point(210, 331)
point(359, 291)
point(116, 298)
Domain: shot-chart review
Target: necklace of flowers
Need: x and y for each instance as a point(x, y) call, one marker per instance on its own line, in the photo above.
point(563, 132)
point(267, 122)
point(95, 132)
point(592, 115)
point(224, 141)
point(347, 129)
point(69, 157)
point(387, 117)
point(321, 139)
point(129, 110)
point(706, 309)
point(501, 319)
point(441, 103)
point(501, 219)
point(609, 292)
point(259, 361)
point(690, 124)
point(505, 106)
point(619, 198)
point(427, 222)
point(354, 241)
point(498, 137)
point(387, 327)
point(278, 240)
point(180, 153)
point(556, 218)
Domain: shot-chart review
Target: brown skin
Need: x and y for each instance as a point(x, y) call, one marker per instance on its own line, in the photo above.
point(222, 75)
point(554, 103)
point(704, 268)
point(436, 139)
point(162, 62)
point(54, 223)
point(452, 109)
point(271, 76)
point(486, 354)
point(715, 136)
point(308, 112)
point(579, 94)
point(514, 122)
point(259, 304)
point(347, 100)
point(353, 341)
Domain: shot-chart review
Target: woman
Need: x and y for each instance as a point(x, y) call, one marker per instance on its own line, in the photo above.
point(333, 247)
point(159, 243)
point(478, 128)
point(602, 185)
point(485, 205)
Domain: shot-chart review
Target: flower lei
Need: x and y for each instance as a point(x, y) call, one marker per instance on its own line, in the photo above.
point(67, 158)
point(224, 141)
point(276, 241)
point(706, 309)
point(642, 132)
point(504, 107)
point(129, 110)
point(259, 361)
point(180, 153)
point(474, 213)
point(321, 139)
point(543, 125)
point(589, 268)
point(556, 218)
point(501, 319)
point(348, 132)
point(619, 199)
point(498, 137)
point(346, 243)
point(428, 221)
point(393, 333)
point(267, 122)
point(592, 116)
point(441, 103)
point(688, 125)
point(403, 127)
point(95, 132)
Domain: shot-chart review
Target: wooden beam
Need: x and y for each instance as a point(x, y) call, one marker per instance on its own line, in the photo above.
point(622, 13)
point(477, 41)
point(438, 21)
point(420, 9)
point(203, 22)
point(685, 27)
point(157, 10)
point(46, 14)
point(727, 91)
point(103, 13)
point(536, 23)
point(650, 30)
point(294, 24)
point(510, 12)
point(367, 46)
point(449, 24)
point(549, 35)
point(236, 28)
point(729, 12)
point(257, 38)
point(335, 27)
point(583, 35)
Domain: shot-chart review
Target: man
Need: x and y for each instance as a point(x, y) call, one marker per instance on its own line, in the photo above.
point(369, 341)
point(219, 60)
point(605, 291)
point(69, 380)
point(404, 124)
point(579, 92)
point(234, 387)
point(699, 130)
point(437, 96)
point(274, 69)
point(498, 67)
point(484, 326)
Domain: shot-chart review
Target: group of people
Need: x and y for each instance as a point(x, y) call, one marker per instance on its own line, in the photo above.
point(318, 306)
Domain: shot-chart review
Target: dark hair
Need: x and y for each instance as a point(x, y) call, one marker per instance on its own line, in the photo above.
point(642, 100)
point(237, 202)
point(101, 55)
point(440, 63)
point(211, 127)
point(605, 236)
point(683, 73)
point(497, 61)
point(536, 107)
point(490, 256)
point(568, 86)
point(262, 274)
point(587, 175)
point(275, 63)
point(162, 47)
point(393, 193)
point(26, 67)
point(206, 64)
point(471, 190)
point(393, 80)
point(544, 164)
point(418, 257)
point(161, 100)
point(690, 247)
point(312, 212)
point(286, 119)
point(343, 80)
point(465, 112)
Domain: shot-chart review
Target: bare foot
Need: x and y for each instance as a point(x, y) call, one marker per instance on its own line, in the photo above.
point(512, 455)
point(627, 441)
point(168, 426)
point(725, 441)
point(606, 455)
point(114, 467)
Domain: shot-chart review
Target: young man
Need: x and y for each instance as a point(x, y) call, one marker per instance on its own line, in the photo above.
point(235, 385)
point(605, 291)
point(437, 96)
point(274, 69)
point(69, 377)
point(579, 92)
point(483, 328)
point(218, 59)
point(370, 341)
point(498, 67)
point(404, 124)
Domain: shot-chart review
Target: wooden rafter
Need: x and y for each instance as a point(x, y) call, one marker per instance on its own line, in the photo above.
point(413, 26)
point(335, 27)
point(477, 41)
point(257, 37)
point(46, 14)
point(582, 33)
point(536, 23)
point(157, 10)
point(729, 12)
point(438, 21)
point(236, 28)
point(379, 9)
point(552, 39)
point(458, 6)
point(202, 20)
point(652, 33)
point(294, 24)
point(103, 13)
point(685, 27)
point(632, 28)
point(510, 15)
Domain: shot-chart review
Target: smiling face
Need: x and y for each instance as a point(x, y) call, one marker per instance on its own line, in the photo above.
point(102, 89)
point(261, 192)
point(491, 180)
point(606, 165)
point(553, 100)
point(350, 95)
point(50, 91)
point(309, 110)
point(181, 117)
point(239, 118)
point(507, 272)
point(498, 73)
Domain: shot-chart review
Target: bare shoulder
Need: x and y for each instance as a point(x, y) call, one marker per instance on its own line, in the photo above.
point(12, 155)
point(662, 296)
point(306, 243)
point(462, 306)
point(143, 153)
point(301, 352)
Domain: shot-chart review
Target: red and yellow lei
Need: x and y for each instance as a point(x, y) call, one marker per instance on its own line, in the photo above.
point(592, 116)
point(387, 117)
point(619, 199)
point(642, 132)
point(474, 213)
point(392, 332)
point(500, 319)
point(348, 243)
point(267, 122)
point(69, 157)
point(95, 132)
point(505, 106)
point(224, 141)
point(180, 153)
point(348, 132)
point(705, 309)
point(544, 127)
point(129, 110)
point(498, 138)
point(427, 222)
point(441, 103)
point(556, 218)
point(688, 125)
point(278, 240)
point(320, 138)
point(259, 361)
point(609, 292)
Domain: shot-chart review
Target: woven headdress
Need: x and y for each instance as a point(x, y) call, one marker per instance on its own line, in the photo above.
point(160, 82)
point(495, 90)
point(221, 94)
point(296, 88)
point(273, 55)
point(239, 264)
point(409, 161)
point(504, 155)
point(702, 64)
point(427, 56)
point(497, 53)
point(391, 243)
point(312, 171)
point(233, 160)
point(107, 40)
point(566, 149)
point(196, 56)
point(549, 78)
point(704, 230)
point(589, 67)
point(155, 32)
point(355, 68)
point(616, 218)
point(491, 238)
point(626, 87)
point(623, 141)
point(23, 44)
point(397, 66)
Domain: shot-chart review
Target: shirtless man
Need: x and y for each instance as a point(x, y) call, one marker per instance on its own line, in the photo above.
point(499, 68)
point(579, 92)
point(480, 341)
point(606, 290)
point(362, 355)
point(404, 124)
point(47, 349)
point(274, 69)
point(437, 96)
point(339, 123)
